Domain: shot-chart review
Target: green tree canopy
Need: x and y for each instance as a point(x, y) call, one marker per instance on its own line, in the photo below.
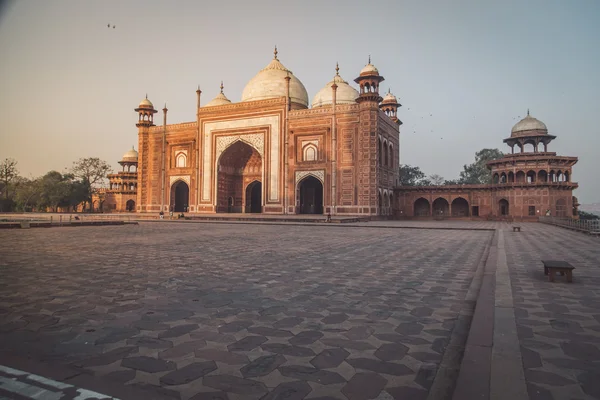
point(92, 173)
point(412, 176)
point(477, 172)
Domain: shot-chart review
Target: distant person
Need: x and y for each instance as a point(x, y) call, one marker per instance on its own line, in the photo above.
point(162, 214)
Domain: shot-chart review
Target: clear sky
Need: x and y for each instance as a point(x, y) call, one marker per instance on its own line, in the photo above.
point(464, 70)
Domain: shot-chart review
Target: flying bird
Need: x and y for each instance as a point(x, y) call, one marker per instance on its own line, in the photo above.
point(108, 25)
point(113, 27)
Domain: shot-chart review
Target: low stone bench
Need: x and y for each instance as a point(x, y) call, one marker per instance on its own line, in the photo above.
point(553, 266)
point(516, 228)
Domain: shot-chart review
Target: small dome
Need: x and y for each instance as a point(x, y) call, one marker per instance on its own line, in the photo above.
point(130, 156)
point(270, 83)
point(389, 98)
point(369, 69)
point(527, 125)
point(145, 103)
point(345, 94)
point(219, 99)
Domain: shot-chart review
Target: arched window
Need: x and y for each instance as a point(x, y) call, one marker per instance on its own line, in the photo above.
point(310, 153)
point(379, 148)
point(385, 154)
point(391, 156)
point(181, 160)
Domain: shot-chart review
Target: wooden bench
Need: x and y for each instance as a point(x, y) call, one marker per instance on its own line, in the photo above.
point(516, 228)
point(553, 266)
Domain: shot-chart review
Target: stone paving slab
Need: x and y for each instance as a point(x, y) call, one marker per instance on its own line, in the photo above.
point(226, 311)
point(558, 323)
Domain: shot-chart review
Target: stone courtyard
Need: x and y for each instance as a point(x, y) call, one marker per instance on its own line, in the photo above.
point(190, 310)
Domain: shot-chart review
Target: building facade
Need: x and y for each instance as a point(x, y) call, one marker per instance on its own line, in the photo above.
point(271, 153)
point(526, 184)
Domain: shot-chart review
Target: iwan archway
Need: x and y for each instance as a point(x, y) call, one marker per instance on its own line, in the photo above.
point(310, 195)
point(239, 180)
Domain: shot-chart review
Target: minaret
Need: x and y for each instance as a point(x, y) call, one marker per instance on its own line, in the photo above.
point(369, 80)
point(146, 113)
point(390, 106)
point(368, 100)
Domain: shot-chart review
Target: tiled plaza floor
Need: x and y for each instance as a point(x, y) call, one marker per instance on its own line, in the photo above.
point(205, 311)
point(209, 310)
point(558, 323)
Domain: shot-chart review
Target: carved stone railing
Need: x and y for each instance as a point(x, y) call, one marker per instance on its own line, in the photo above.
point(590, 226)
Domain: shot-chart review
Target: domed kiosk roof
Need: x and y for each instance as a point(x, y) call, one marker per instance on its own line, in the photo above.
point(345, 94)
point(389, 98)
point(527, 126)
point(145, 103)
point(369, 69)
point(270, 83)
point(219, 99)
point(130, 156)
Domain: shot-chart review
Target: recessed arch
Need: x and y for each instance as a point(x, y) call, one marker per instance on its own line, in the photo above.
point(253, 197)
point(503, 207)
point(460, 207)
point(309, 195)
point(422, 207)
point(130, 206)
point(520, 177)
point(561, 208)
point(531, 175)
point(441, 207)
point(181, 160)
point(239, 164)
point(180, 196)
point(310, 152)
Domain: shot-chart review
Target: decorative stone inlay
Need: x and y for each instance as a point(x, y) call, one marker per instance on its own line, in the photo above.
point(175, 178)
point(209, 163)
point(255, 140)
point(319, 174)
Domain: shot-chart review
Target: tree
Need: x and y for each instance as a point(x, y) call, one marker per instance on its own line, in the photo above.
point(410, 176)
point(8, 175)
point(452, 182)
point(436, 179)
point(92, 173)
point(477, 172)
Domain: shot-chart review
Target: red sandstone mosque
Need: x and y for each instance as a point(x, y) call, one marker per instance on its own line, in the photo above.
point(270, 153)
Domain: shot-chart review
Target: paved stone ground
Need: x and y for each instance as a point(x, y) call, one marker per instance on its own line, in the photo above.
point(558, 323)
point(229, 311)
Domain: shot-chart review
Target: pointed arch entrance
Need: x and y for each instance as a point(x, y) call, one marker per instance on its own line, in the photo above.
point(310, 195)
point(180, 196)
point(239, 179)
point(254, 197)
point(441, 207)
point(460, 207)
point(503, 207)
point(130, 205)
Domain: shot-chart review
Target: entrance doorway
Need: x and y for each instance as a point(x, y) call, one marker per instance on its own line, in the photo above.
point(503, 204)
point(239, 163)
point(130, 205)
point(310, 190)
point(180, 196)
point(254, 197)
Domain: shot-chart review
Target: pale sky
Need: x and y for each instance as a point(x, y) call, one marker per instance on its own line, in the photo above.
point(464, 70)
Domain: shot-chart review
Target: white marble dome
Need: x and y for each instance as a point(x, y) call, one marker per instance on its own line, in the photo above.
point(219, 99)
point(145, 103)
point(130, 156)
point(369, 69)
point(270, 83)
point(345, 94)
point(389, 98)
point(528, 124)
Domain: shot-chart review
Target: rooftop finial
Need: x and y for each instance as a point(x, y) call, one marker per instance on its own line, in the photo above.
point(337, 69)
point(369, 59)
point(222, 87)
point(146, 96)
point(197, 90)
point(275, 52)
point(528, 112)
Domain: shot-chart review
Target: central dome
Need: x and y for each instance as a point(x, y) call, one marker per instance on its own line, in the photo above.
point(270, 83)
point(529, 125)
point(345, 94)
